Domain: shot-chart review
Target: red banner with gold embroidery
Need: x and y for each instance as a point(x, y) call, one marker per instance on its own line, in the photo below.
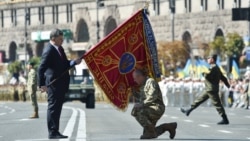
point(113, 59)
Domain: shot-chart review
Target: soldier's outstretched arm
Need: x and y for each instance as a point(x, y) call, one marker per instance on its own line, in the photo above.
point(224, 79)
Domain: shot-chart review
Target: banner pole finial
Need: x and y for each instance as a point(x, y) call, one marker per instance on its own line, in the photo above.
point(147, 6)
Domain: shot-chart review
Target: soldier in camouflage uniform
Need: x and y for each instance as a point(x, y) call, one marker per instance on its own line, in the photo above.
point(150, 107)
point(32, 88)
point(212, 80)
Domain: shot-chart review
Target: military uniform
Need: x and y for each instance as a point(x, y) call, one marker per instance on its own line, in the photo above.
point(32, 88)
point(246, 95)
point(212, 79)
point(152, 109)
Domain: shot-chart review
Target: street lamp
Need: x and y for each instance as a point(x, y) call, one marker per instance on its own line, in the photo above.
point(172, 8)
point(27, 17)
point(99, 3)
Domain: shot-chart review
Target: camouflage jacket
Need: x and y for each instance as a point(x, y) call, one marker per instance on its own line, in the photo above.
point(149, 94)
point(32, 81)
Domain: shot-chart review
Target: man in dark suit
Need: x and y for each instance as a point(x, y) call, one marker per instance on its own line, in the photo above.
point(54, 63)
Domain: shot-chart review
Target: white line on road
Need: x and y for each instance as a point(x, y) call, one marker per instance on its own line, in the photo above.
point(1, 114)
point(81, 133)
point(248, 138)
point(174, 117)
point(204, 125)
point(187, 120)
point(34, 140)
point(225, 131)
point(71, 123)
point(25, 119)
point(247, 116)
point(165, 115)
point(12, 111)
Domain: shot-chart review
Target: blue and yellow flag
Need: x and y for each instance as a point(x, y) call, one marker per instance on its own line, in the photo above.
point(235, 70)
point(113, 59)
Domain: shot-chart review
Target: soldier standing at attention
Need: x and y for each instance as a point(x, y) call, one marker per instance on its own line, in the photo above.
point(32, 88)
point(150, 107)
point(212, 80)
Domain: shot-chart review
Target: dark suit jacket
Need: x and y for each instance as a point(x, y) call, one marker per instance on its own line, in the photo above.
point(51, 67)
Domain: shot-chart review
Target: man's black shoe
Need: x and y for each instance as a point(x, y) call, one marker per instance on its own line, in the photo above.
point(57, 136)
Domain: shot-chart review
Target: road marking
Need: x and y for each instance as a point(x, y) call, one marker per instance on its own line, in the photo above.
point(71, 123)
point(225, 131)
point(187, 120)
point(204, 125)
point(248, 138)
point(45, 139)
point(1, 114)
point(165, 115)
point(33, 140)
point(174, 117)
point(247, 116)
point(12, 111)
point(81, 133)
point(25, 119)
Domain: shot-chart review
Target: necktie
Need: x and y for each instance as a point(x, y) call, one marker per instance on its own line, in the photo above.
point(61, 52)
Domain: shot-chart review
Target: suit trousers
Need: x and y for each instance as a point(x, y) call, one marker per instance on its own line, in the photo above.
point(55, 103)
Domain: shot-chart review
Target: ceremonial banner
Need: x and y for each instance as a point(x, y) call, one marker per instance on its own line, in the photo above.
point(113, 59)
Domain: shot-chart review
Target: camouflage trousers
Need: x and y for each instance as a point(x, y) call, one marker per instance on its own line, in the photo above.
point(33, 99)
point(215, 99)
point(148, 115)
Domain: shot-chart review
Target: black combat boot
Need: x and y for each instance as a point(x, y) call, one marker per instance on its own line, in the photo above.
point(149, 132)
point(224, 120)
point(187, 111)
point(170, 127)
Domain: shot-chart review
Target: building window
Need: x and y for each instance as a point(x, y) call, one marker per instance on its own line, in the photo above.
point(237, 3)
point(55, 14)
point(2, 18)
point(220, 4)
point(13, 17)
point(188, 6)
point(69, 13)
point(41, 14)
point(156, 6)
point(203, 5)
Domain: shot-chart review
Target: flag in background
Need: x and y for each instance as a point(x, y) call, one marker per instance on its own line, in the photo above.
point(113, 59)
point(202, 66)
point(218, 62)
point(235, 70)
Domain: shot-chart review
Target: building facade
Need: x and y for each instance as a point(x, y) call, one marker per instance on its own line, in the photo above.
point(194, 21)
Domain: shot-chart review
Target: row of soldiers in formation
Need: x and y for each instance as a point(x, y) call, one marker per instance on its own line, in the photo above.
point(181, 92)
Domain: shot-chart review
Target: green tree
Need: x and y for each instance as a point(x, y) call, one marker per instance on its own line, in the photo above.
point(217, 45)
point(234, 44)
point(15, 67)
point(172, 54)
